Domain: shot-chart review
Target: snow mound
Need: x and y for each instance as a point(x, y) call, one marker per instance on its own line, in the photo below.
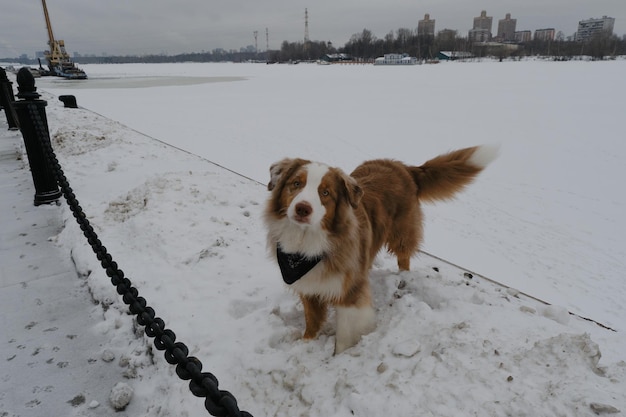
point(189, 235)
point(121, 395)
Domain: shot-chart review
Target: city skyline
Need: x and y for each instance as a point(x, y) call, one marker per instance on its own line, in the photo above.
point(160, 27)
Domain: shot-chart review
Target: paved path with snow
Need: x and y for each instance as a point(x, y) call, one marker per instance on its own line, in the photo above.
point(50, 352)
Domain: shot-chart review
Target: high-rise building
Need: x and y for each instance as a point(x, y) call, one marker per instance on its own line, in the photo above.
point(481, 31)
point(590, 27)
point(544, 34)
point(522, 36)
point(447, 34)
point(506, 28)
point(483, 21)
point(426, 27)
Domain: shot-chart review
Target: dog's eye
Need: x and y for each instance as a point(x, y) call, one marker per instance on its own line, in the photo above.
point(325, 193)
point(296, 184)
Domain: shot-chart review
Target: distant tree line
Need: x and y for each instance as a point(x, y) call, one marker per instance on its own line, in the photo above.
point(599, 47)
point(366, 46)
point(301, 51)
point(217, 56)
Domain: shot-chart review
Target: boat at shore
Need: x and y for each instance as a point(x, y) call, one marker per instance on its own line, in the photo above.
point(59, 62)
point(65, 69)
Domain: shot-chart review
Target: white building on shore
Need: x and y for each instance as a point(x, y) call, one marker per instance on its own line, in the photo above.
point(396, 59)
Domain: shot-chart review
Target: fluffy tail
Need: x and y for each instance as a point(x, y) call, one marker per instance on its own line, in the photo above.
point(445, 175)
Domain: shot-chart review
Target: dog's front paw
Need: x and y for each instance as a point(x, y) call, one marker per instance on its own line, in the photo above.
point(352, 323)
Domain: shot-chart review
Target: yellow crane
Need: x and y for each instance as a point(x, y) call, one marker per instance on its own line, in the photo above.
point(59, 62)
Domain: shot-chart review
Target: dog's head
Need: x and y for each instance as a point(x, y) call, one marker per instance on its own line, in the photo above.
point(310, 194)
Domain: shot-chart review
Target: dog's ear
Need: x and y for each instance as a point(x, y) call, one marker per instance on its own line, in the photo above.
point(353, 191)
point(276, 171)
point(282, 169)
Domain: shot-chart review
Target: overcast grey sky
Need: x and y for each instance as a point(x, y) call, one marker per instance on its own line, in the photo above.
point(171, 27)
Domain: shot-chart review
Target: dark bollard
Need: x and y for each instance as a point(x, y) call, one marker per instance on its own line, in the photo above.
point(6, 98)
point(69, 101)
point(33, 123)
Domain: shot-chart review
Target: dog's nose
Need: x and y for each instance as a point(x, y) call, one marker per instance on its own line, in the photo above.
point(303, 209)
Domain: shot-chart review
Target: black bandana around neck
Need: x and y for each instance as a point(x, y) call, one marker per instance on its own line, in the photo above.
point(294, 266)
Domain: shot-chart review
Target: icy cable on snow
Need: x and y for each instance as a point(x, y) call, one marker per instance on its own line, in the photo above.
point(470, 274)
point(202, 384)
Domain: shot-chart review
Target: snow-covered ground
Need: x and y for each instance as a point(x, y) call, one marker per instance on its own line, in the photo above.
point(544, 219)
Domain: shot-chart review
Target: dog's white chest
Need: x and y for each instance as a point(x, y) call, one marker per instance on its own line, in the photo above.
point(315, 282)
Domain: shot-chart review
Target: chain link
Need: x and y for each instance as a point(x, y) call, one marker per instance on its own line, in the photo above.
point(218, 403)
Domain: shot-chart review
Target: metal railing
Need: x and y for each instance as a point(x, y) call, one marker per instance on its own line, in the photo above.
point(48, 177)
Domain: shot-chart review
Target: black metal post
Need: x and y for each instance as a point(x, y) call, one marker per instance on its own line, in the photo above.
point(33, 123)
point(6, 98)
point(69, 101)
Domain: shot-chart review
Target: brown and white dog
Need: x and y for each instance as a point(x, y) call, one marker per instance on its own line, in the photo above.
point(325, 227)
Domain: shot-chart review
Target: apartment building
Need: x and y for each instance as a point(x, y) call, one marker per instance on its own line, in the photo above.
point(481, 31)
point(426, 26)
point(506, 29)
point(522, 36)
point(590, 27)
point(544, 34)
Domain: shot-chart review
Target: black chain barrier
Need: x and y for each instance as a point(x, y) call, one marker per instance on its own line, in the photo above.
point(218, 402)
